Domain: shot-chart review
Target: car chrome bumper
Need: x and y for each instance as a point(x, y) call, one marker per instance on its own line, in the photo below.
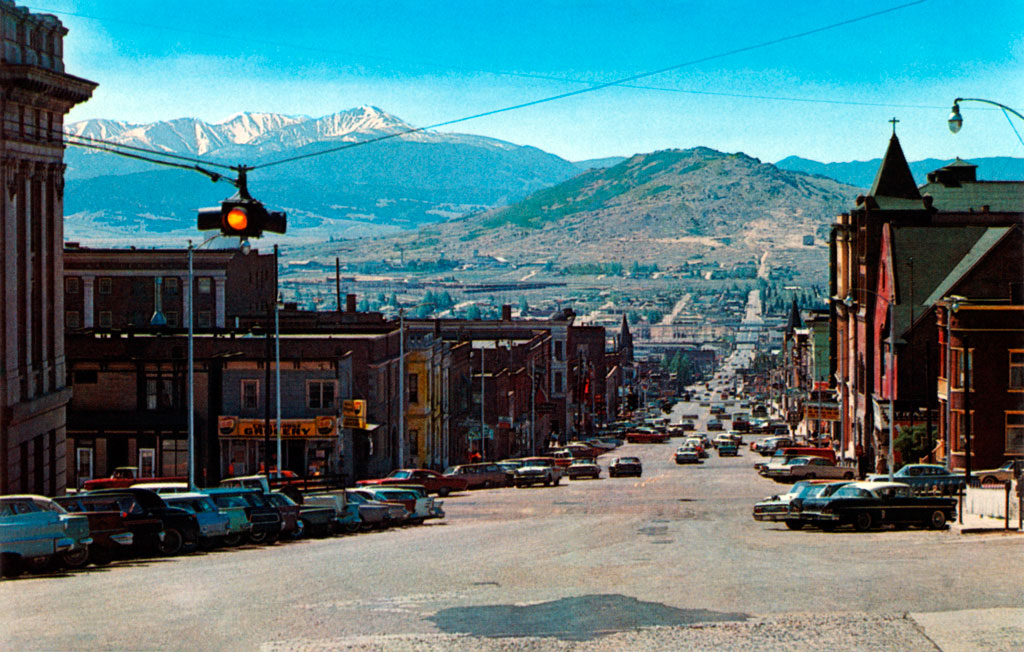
point(123, 539)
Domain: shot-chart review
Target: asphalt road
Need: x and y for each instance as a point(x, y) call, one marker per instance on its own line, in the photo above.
point(672, 560)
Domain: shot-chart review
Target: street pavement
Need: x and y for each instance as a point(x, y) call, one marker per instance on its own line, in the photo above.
point(672, 560)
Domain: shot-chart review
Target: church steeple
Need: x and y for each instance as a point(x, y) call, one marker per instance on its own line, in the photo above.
point(794, 322)
point(894, 178)
point(625, 341)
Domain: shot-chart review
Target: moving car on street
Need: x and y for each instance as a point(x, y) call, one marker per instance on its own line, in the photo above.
point(625, 466)
point(537, 470)
point(479, 476)
point(687, 455)
point(583, 468)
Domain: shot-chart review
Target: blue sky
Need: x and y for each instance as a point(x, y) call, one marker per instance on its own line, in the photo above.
point(826, 96)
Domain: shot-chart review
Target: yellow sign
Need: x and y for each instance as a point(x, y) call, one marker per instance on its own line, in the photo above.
point(353, 414)
point(290, 428)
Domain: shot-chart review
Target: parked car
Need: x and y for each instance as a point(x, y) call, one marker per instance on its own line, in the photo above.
point(768, 446)
point(180, 528)
point(317, 520)
point(126, 476)
point(32, 536)
point(625, 466)
point(346, 513)
point(264, 518)
point(236, 508)
point(372, 513)
point(536, 470)
point(1008, 471)
point(111, 538)
point(808, 468)
point(110, 517)
point(925, 478)
point(646, 435)
point(715, 424)
point(419, 505)
point(435, 482)
point(779, 507)
point(687, 455)
point(292, 525)
point(865, 505)
point(213, 523)
point(395, 513)
point(583, 468)
point(481, 475)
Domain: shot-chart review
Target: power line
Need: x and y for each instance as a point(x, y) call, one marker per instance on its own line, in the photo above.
point(600, 86)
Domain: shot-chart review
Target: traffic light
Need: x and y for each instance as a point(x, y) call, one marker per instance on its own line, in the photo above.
point(245, 218)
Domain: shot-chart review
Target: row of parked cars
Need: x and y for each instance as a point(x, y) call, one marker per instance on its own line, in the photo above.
point(829, 505)
point(163, 519)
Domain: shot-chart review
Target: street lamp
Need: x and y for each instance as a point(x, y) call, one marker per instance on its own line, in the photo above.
point(848, 302)
point(244, 248)
point(277, 372)
point(956, 121)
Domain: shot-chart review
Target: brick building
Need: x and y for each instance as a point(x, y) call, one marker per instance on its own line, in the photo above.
point(36, 94)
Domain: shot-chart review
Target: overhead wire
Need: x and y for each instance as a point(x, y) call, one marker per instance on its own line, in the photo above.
point(599, 86)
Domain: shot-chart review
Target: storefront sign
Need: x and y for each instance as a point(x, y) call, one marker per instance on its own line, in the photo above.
point(317, 427)
point(353, 414)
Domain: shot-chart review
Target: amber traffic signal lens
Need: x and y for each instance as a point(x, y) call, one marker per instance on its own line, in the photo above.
point(237, 219)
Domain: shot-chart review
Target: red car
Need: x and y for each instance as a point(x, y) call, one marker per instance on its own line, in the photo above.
point(432, 481)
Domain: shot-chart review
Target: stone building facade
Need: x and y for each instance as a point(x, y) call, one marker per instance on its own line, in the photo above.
point(35, 95)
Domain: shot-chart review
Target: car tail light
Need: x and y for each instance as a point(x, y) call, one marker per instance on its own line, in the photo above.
point(124, 514)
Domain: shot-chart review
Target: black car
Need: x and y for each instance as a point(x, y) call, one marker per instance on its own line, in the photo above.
point(142, 506)
point(865, 505)
point(625, 466)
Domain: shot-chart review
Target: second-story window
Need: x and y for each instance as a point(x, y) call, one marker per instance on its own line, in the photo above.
point(320, 394)
point(159, 393)
point(205, 284)
point(106, 285)
point(250, 394)
point(414, 388)
point(1016, 370)
point(71, 284)
point(558, 351)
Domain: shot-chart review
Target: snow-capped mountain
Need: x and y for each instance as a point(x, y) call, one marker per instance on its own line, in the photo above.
point(414, 178)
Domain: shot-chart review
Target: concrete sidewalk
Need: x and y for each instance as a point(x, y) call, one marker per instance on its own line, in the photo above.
point(976, 524)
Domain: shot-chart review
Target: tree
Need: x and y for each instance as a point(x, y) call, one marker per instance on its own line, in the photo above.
point(523, 306)
point(473, 313)
point(912, 443)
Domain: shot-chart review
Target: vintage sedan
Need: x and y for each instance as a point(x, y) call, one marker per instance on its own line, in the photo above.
point(416, 501)
point(924, 478)
point(537, 470)
point(776, 507)
point(479, 476)
point(213, 523)
point(180, 528)
point(116, 532)
point(346, 513)
point(687, 455)
point(865, 505)
point(728, 448)
point(434, 482)
point(264, 519)
point(808, 468)
point(625, 466)
point(394, 512)
point(1007, 471)
point(32, 536)
point(583, 468)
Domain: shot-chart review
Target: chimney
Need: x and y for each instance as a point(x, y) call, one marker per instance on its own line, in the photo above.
point(158, 320)
point(506, 312)
point(350, 303)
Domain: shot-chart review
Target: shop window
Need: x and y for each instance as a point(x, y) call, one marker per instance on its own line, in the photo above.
point(1014, 433)
point(1016, 370)
point(174, 457)
point(250, 394)
point(320, 394)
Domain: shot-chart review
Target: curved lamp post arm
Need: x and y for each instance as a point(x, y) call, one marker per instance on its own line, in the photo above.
point(956, 121)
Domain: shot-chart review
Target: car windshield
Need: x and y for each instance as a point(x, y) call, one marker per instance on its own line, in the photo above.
point(629, 460)
point(230, 501)
point(451, 470)
point(400, 474)
point(356, 498)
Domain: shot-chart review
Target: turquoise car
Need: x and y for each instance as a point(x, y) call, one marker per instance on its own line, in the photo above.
point(34, 532)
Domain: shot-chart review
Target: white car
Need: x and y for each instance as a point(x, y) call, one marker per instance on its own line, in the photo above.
point(808, 468)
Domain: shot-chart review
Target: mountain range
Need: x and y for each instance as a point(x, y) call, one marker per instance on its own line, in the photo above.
point(862, 173)
point(398, 183)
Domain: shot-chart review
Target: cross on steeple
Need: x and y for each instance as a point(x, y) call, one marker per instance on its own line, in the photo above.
point(894, 121)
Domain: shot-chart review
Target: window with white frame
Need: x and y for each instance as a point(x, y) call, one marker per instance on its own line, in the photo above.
point(320, 394)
